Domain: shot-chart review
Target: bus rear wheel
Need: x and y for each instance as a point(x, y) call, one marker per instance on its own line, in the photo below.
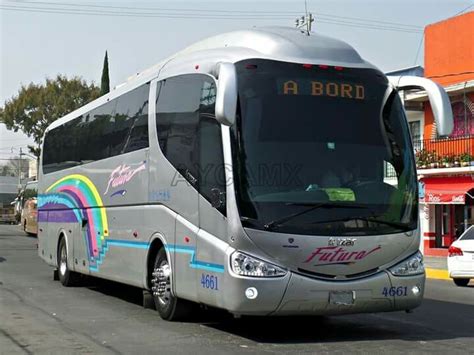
point(168, 306)
point(67, 277)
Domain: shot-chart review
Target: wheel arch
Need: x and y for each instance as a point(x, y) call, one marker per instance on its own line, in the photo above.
point(62, 235)
point(157, 242)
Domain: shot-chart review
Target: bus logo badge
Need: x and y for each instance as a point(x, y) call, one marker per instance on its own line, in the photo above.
point(290, 244)
point(348, 242)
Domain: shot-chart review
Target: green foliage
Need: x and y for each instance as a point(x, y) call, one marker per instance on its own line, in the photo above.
point(465, 157)
point(35, 107)
point(105, 81)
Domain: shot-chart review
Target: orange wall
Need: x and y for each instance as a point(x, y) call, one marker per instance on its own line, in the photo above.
point(449, 49)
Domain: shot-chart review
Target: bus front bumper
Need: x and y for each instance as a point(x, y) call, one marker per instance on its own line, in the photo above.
point(296, 294)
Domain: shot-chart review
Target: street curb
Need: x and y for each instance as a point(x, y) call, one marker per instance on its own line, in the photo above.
point(438, 274)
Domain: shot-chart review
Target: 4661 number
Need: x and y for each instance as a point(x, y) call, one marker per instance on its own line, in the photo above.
point(394, 291)
point(210, 281)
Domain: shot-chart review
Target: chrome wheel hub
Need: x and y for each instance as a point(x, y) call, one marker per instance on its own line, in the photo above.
point(63, 261)
point(161, 283)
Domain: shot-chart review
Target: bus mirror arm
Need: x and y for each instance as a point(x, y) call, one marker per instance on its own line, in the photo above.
point(226, 95)
point(84, 222)
point(439, 99)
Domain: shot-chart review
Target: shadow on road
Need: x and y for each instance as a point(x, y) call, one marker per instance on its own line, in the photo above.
point(124, 292)
point(434, 320)
point(424, 325)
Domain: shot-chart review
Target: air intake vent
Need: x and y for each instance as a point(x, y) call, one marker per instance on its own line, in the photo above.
point(333, 277)
point(361, 274)
point(316, 274)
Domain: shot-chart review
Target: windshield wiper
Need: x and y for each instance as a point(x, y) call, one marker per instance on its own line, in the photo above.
point(398, 225)
point(312, 206)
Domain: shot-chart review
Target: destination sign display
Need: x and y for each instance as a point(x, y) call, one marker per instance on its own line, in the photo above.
point(325, 88)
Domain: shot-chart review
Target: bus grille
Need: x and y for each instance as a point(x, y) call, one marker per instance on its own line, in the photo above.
point(332, 277)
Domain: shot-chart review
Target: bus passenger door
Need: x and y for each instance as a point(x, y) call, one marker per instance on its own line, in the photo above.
point(212, 241)
point(174, 172)
point(184, 259)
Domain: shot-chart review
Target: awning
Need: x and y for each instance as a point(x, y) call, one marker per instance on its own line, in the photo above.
point(450, 190)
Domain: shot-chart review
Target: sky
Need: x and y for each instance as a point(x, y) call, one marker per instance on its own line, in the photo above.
point(40, 39)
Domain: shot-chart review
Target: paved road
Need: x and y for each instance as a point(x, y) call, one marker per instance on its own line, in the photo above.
point(38, 315)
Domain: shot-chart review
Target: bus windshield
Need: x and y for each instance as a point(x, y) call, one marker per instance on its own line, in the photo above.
point(322, 150)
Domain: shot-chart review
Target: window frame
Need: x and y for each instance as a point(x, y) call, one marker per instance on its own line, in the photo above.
point(159, 92)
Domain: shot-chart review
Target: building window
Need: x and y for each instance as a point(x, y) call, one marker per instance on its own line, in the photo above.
point(463, 117)
point(415, 130)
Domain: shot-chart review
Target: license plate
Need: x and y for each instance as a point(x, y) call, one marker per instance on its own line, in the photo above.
point(344, 298)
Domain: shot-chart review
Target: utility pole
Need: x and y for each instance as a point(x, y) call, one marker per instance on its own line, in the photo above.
point(19, 169)
point(305, 23)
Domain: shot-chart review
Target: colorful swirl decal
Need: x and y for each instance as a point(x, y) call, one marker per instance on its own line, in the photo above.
point(75, 198)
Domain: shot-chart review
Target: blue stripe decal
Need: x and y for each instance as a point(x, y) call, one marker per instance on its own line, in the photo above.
point(194, 264)
point(118, 243)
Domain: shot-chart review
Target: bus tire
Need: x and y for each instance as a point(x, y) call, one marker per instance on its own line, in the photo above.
point(67, 277)
point(169, 307)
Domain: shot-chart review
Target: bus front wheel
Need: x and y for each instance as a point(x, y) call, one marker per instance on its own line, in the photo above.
point(168, 306)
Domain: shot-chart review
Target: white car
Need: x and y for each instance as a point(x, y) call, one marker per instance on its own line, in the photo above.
point(461, 258)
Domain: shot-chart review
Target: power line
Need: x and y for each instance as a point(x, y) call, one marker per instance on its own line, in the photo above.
point(369, 20)
point(195, 16)
point(465, 9)
point(179, 11)
point(419, 48)
point(137, 14)
point(374, 27)
point(206, 11)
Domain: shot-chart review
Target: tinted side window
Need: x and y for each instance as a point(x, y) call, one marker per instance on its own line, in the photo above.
point(211, 158)
point(177, 119)
point(93, 132)
point(188, 134)
point(468, 234)
point(116, 127)
point(130, 122)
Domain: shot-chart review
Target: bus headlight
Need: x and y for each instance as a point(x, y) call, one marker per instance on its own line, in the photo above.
point(408, 267)
point(246, 265)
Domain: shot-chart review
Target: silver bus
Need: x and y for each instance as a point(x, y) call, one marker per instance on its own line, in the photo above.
point(248, 173)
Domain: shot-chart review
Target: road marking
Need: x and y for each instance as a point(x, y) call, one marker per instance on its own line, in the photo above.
point(437, 274)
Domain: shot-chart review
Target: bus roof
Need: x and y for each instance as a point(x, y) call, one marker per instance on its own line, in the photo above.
point(275, 43)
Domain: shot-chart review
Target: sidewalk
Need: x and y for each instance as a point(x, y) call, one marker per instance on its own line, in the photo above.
point(436, 267)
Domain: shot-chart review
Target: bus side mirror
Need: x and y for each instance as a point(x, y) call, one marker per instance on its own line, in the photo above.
point(226, 96)
point(439, 99)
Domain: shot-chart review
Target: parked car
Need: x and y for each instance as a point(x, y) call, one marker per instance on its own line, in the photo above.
point(461, 258)
point(29, 211)
point(29, 216)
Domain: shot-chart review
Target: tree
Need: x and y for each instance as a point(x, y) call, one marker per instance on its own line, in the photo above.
point(15, 166)
point(6, 170)
point(35, 107)
point(105, 81)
